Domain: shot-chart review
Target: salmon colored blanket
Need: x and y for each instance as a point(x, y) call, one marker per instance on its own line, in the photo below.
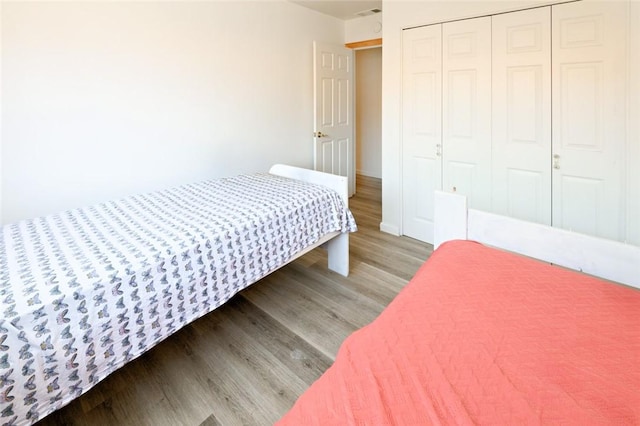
point(481, 336)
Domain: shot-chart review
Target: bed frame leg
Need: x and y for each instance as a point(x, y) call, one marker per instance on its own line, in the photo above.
point(338, 251)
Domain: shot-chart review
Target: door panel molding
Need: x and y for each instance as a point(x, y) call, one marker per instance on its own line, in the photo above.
point(333, 94)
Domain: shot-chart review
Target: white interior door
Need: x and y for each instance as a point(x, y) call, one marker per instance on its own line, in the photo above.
point(466, 106)
point(421, 128)
point(333, 138)
point(521, 114)
point(589, 113)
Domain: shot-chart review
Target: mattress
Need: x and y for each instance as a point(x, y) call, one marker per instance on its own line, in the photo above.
point(482, 336)
point(87, 290)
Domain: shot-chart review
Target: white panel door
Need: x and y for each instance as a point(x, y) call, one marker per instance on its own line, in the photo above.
point(521, 115)
point(466, 109)
point(421, 128)
point(589, 112)
point(333, 138)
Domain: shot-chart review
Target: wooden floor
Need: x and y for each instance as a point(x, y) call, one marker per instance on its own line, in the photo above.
point(248, 361)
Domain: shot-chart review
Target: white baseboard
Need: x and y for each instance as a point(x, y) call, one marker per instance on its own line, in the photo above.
point(390, 229)
point(368, 174)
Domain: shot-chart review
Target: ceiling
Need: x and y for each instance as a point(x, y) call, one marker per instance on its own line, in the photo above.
point(343, 9)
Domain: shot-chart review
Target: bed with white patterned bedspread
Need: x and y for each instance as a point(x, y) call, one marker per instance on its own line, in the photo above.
point(87, 290)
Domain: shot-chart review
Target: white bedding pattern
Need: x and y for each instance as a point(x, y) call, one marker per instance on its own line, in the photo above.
point(85, 291)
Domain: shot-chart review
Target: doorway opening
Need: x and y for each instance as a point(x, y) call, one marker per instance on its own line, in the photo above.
point(368, 120)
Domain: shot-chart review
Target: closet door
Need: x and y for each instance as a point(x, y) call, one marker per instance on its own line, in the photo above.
point(466, 106)
point(521, 70)
point(589, 112)
point(421, 128)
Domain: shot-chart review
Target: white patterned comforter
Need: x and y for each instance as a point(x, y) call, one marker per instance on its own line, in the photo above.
point(85, 291)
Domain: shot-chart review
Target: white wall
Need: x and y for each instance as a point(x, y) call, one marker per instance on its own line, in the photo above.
point(369, 112)
point(105, 99)
point(633, 164)
point(365, 28)
point(1, 144)
point(400, 14)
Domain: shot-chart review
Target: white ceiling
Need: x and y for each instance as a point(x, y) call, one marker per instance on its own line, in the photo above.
point(343, 9)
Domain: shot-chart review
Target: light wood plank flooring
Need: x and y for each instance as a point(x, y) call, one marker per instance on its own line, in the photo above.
point(248, 361)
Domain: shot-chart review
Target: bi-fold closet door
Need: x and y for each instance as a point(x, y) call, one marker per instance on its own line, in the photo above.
point(589, 92)
point(521, 115)
point(422, 128)
point(559, 116)
point(532, 117)
point(466, 106)
point(446, 103)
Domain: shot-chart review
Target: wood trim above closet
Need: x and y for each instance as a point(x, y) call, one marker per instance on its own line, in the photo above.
point(366, 43)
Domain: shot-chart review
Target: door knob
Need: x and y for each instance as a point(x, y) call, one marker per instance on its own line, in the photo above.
point(320, 135)
point(556, 161)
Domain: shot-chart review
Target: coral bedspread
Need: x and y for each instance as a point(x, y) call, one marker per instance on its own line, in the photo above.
point(487, 337)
